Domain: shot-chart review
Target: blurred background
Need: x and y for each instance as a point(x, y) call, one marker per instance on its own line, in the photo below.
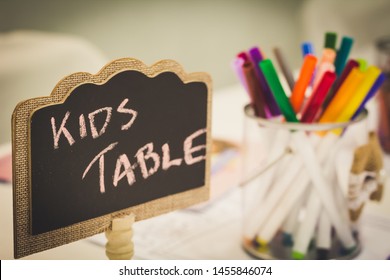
point(42, 41)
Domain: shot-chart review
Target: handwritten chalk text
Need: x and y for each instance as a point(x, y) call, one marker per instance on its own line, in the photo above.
point(95, 132)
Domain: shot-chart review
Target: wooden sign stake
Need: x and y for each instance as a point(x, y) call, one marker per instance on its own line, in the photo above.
point(119, 235)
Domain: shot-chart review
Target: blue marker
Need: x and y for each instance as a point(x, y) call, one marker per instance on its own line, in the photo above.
point(307, 48)
point(375, 87)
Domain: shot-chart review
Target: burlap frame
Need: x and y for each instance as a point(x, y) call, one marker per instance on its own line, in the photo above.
point(25, 243)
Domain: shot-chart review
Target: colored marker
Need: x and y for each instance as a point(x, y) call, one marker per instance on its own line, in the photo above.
point(324, 236)
point(342, 54)
point(237, 65)
point(342, 97)
point(284, 67)
point(328, 55)
point(256, 56)
point(330, 40)
point(255, 92)
point(322, 68)
point(359, 95)
point(307, 48)
point(307, 226)
point(269, 71)
point(314, 104)
point(289, 226)
point(243, 55)
point(378, 83)
point(339, 81)
point(362, 64)
point(305, 76)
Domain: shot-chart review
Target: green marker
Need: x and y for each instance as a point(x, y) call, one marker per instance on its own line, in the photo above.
point(280, 96)
point(342, 55)
point(330, 40)
point(362, 64)
point(297, 255)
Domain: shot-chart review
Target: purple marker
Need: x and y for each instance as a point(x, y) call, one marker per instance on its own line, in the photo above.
point(255, 57)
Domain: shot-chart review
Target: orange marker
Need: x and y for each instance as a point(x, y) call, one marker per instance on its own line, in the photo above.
point(343, 96)
point(298, 94)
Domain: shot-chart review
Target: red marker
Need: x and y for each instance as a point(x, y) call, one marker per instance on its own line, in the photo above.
point(317, 98)
point(347, 69)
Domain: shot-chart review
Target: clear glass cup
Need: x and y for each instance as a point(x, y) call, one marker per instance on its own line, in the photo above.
point(295, 188)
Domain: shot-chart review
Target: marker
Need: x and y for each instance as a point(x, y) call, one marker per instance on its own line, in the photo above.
point(256, 56)
point(284, 67)
point(307, 226)
point(285, 107)
point(237, 65)
point(362, 64)
point(322, 68)
point(305, 76)
point(324, 236)
point(307, 48)
point(244, 56)
point(378, 83)
point(330, 40)
point(339, 81)
point(290, 224)
point(328, 55)
point(313, 106)
point(359, 95)
point(342, 97)
point(342, 54)
point(255, 92)
point(313, 209)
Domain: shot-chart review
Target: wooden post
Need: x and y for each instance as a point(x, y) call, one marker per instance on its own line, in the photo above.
point(119, 238)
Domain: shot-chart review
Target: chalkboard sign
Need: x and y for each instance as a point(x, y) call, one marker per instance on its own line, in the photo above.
point(131, 139)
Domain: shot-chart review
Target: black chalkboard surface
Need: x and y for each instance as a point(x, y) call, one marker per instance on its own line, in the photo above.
point(115, 145)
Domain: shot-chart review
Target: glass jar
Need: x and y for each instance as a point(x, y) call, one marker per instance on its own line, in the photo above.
point(296, 181)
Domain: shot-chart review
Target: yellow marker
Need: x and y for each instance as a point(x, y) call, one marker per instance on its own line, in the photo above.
point(343, 96)
point(369, 79)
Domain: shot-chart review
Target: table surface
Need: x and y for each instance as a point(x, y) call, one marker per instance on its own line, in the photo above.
point(209, 231)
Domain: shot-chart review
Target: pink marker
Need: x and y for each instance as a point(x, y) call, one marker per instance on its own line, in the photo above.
point(237, 65)
point(321, 70)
